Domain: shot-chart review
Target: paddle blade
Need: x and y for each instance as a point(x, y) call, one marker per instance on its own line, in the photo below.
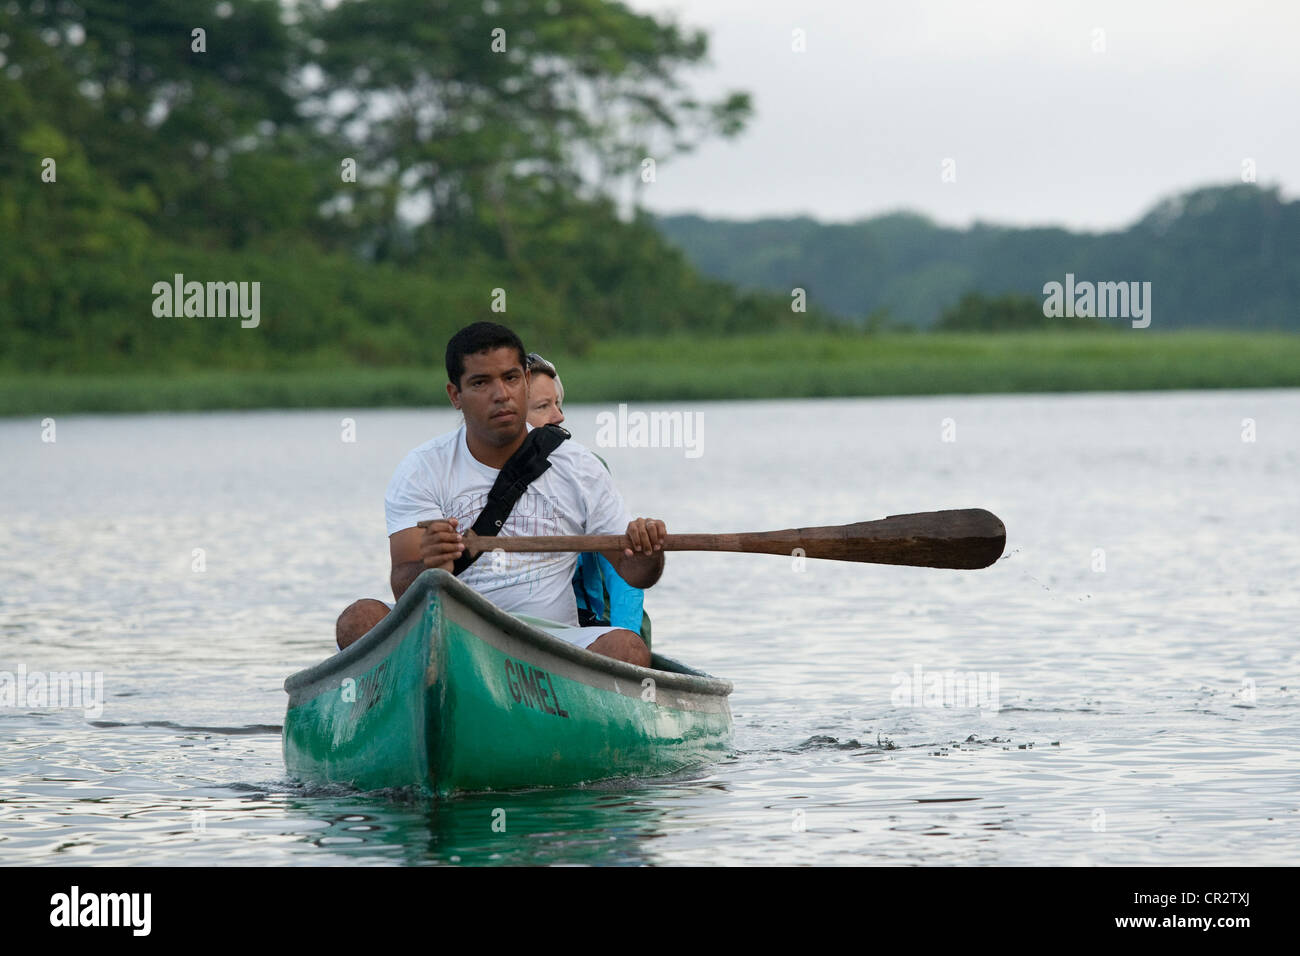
point(968, 538)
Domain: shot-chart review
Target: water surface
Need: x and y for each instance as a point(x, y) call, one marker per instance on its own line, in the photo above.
point(1142, 632)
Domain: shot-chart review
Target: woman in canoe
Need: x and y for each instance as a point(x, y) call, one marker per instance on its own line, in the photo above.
point(603, 597)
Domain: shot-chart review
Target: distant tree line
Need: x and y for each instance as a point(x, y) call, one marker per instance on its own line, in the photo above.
point(1012, 312)
point(1221, 256)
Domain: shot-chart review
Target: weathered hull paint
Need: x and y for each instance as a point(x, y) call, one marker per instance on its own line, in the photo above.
point(451, 694)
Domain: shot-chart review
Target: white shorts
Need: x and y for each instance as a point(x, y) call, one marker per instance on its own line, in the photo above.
point(582, 637)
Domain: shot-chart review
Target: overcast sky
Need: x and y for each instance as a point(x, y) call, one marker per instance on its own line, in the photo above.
point(1042, 128)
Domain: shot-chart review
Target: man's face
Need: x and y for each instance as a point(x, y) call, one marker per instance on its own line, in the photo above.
point(493, 394)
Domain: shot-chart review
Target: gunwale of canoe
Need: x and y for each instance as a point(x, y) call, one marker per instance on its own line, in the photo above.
point(435, 704)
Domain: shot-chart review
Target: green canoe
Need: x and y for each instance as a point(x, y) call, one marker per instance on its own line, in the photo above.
point(450, 693)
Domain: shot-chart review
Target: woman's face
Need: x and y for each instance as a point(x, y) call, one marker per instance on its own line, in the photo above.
point(543, 409)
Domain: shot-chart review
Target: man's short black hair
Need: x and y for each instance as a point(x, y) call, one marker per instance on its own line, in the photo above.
point(479, 337)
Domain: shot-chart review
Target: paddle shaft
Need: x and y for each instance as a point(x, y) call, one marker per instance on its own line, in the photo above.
point(968, 538)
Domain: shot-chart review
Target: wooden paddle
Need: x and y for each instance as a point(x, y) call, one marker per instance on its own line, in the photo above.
point(969, 538)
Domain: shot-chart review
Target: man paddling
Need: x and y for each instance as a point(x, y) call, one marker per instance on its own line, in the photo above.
point(445, 483)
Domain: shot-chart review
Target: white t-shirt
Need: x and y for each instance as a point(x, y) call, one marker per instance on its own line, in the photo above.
point(576, 495)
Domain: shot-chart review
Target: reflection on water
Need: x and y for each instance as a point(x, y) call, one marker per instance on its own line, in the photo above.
point(534, 827)
point(1137, 643)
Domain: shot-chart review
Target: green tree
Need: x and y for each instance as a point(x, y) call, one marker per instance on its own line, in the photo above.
point(482, 114)
point(484, 159)
point(203, 120)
